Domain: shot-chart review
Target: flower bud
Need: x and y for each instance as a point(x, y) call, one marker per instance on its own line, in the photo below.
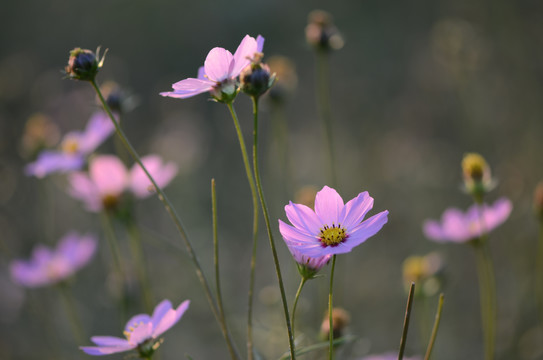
point(538, 201)
point(340, 320)
point(255, 79)
point(321, 33)
point(477, 177)
point(83, 64)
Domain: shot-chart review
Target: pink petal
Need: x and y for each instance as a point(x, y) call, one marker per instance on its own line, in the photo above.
point(328, 206)
point(189, 87)
point(303, 218)
point(109, 341)
point(170, 318)
point(355, 210)
point(137, 320)
point(82, 188)
point(295, 236)
point(160, 310)
point(106, 350)
point(244, 52)
point(259, 43)
point(366, 229)
point(163, 173)
point(141, 333)
point(433, 231)
point(109, 175)
point(202, 73)
point(98, 129)
point(218, 64)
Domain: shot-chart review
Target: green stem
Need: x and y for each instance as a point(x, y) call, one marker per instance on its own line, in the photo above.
point(539, 275)
point(169, 209)
point(75, 322)
point(216, 263)
point(141, 269)
point(323, 101)
point(300, 287)
point(406, 320)
point(269, 230)
point(435, 328)
point(330, 312)
point(250, 179)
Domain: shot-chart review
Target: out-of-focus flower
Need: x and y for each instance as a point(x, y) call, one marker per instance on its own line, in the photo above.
point(285, 78)
point(538, 201)
point(141, 332)
point(48, 266)
point(460, 227)
point(340, 320)
point(219, 73)
point(389, 356)
point(84, 64)
point(477, 177)
point(116, 98)
point(255, 79)
point(423, 270)
point(306, 195)
point(333, 228)
point(75, 147)
point(39, 133)
point(108, 178)
point(321, 33)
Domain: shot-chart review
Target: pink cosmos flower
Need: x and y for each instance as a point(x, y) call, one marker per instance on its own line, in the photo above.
point(108, 179)
point(48, 266)
point(75, 147)
point(220, 70)
point(459, 227)
point(334, 227)
point(141, 331)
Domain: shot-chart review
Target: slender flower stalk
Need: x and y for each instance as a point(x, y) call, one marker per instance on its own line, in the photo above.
point(435, 328)
point(73, 316)
point(141, 268)
point(250, 179)
point(171, 211)
point(298, 292)
point(216, 263)
point(330, 313)
point(406, 321)
point(268, 227)
point(539, 274)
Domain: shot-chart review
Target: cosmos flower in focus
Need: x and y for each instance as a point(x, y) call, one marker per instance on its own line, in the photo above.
point(75, 148)
point(334, 227)
point(459, 227)
point(141, 331)
point(219, 73)
point(48, 266)
point(108, 178)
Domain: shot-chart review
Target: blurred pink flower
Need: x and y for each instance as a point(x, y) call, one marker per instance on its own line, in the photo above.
point(108, 179)
point(333, 228)
point(48, 266)
point(219, 72)
point(75, 147)
point(141, 331)
point(459, 227)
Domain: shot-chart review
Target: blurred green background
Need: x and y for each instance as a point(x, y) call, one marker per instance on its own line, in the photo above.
point(416, 85)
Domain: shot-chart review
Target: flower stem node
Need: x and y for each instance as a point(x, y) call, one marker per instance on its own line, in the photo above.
point(84, 64)
point(256, 79)
point(477, 177)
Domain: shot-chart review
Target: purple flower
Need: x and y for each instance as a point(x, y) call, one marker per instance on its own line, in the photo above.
point(220, 70)
point(48, 266)
point(108, 179)
point(459, 227)
point(333, 228)
point(75, 147)
point(141, 331)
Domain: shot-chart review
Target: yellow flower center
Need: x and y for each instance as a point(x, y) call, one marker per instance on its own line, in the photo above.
point(70, 146)
point(332, 235)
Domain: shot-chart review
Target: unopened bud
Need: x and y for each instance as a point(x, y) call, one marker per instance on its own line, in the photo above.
point(256, 79)
point(321, 33)
point(477, 177)
point(84, 64)
point(340, 320)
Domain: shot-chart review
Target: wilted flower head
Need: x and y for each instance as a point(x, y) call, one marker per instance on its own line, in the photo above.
point(477, 178)
point(538, 200)
point(141, 332)
point(285, 78)
point(74, 148)
point(333, 227)
point(108, 178)
point(321, 33)
point(84, 64)
point(255, 79)
point(219, 73)
point(39, 133)
point(48, 266)
point(460, 227)
point(340, 320)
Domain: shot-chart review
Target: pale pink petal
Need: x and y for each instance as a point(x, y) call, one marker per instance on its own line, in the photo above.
point(295, 236)
point(259, 43)
point(159, 312)
point(328, 206)
point(244, 52)
point(498, 213)
point(109, 175)
point(163, 173)
point(303, 218)
point(355, 210)
point(366, 229)
point(189, 87)
point(141, 333)
point(98, 129)
point(170, 318)
point(109, 341)
point(54, 161)
point(202, 73)
point(106, 350)
point(82, 188)
point(137, 320)
point(433, 231)
point(218, 64)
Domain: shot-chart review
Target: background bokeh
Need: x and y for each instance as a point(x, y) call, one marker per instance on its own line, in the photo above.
point(416, 85)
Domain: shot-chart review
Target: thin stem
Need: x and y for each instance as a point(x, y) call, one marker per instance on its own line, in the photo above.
point(170, 210)
point(75, 322)
point(323, 101)
point(435, 328)
point(406, 320)
point(330, 312)
point(300, 287)
point(141, 268)
point(539, 275)
point(250, 179)
point(268, 228)
point(216, 263)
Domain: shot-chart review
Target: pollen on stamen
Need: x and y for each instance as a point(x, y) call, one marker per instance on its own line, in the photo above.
point(332, 236)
